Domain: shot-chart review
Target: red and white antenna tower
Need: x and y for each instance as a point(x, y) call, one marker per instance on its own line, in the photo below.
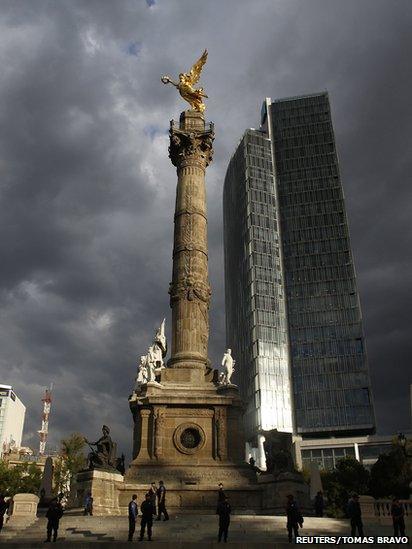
point(44, 431)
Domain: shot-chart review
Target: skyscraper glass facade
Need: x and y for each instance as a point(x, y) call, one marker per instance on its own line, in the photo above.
point(255, 299)
point(310, 292)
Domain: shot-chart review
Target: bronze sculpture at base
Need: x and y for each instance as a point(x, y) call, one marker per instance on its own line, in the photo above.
point(104, 454)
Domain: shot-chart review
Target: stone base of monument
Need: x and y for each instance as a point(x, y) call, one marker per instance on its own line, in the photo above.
point(197, 499)
point(276, 489)
point(194, 489)
point(104, 487)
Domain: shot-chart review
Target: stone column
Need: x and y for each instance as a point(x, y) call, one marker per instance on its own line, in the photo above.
point(144, 447)
point(191, 152)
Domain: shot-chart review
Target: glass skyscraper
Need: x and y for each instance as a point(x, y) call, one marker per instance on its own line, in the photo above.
point(256, 327)
point(293, 316)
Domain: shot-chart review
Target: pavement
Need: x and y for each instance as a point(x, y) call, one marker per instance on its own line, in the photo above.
point(180, 532)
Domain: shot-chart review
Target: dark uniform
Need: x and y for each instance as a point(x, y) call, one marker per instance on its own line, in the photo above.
point(54, 514)
point(294, 518)
point(319, 504)
point(147, 511)
point(88, 505)
point(161, 503)
point(355, 515)
point(221, 496)
point(398, 518)
point(132, 518)
point(153, 494)
point(223, 510)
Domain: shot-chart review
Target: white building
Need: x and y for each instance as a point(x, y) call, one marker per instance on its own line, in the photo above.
point(326, 452)
point(12, 412)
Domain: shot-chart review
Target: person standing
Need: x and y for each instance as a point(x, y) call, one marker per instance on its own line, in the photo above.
point(223, 510)
point(355, 515)
point(153, 495)
point(3, 508)
point(88, 504)
point(398, 517)
point(294, 517)
point(221, 494)
point(53, 515)
point(133, 512)
point(161, 501)
point(147, 511)
point(319, 504)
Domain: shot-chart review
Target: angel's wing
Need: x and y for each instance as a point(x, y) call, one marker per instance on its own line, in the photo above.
point(195, 71)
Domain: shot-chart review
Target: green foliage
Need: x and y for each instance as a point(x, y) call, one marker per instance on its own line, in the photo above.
point(391, 474)
point(71, 461)
point(23, 478)
point(348, 477)
point(72, 451)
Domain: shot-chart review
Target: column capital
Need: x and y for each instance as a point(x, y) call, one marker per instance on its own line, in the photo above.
point(191, 146)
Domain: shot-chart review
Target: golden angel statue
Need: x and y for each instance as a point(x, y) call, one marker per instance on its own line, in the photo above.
point(186, 82)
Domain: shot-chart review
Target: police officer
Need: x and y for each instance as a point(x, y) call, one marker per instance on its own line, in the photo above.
point(223, 510)
point(133, 512)
point(54, 514)
point(294, 517)
point(355, 515)
point(161, 501)
point(153, 494)
point(147, 510)
point(221, 494)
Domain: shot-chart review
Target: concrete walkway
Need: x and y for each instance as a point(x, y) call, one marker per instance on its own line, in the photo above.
point(180, 532)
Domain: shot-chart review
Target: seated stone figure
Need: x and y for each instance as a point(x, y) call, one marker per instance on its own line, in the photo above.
point(104, 456)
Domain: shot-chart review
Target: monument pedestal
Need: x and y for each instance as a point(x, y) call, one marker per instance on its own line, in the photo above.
point(104, 487)
point(190, 435)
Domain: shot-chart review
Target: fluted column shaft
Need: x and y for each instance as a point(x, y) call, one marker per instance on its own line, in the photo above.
point(190, 151)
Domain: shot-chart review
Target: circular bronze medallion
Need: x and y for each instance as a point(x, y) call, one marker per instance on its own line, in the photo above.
point(189, 438)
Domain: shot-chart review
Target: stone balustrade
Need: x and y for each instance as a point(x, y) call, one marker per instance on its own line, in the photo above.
point(379, 510)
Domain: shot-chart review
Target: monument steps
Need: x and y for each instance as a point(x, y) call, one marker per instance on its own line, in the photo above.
point(181, 531)
point(13, 529)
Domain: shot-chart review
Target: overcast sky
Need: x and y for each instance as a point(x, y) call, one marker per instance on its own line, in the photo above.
point(87, 189)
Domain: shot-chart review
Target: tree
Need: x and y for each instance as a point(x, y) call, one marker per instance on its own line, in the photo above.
point(70, 462)
point(349, 476)
point(391, 474)
point(23, 478)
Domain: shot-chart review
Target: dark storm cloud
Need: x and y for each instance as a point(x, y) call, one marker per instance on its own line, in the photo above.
point(87, 190)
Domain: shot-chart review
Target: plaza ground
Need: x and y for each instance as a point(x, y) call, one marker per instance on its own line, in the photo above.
point(181, 531)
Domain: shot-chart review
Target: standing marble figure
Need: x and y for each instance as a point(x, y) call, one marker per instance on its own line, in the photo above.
point(229, 364)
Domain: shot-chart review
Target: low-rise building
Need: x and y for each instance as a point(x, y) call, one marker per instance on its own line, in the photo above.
point(12, 413)
point(326, 452)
